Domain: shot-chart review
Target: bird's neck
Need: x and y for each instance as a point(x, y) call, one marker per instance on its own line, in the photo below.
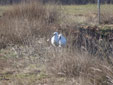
point(55, 36)
point(59, 37)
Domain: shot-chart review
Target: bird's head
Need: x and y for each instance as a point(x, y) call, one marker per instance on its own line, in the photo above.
point(59, 36)
point(55, 33)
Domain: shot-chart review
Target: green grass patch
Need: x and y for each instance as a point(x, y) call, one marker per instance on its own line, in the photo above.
point(80, 9)
point(85, 9)
point(4, 8)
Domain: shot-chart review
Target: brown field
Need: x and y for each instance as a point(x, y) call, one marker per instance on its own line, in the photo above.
point(27, 57)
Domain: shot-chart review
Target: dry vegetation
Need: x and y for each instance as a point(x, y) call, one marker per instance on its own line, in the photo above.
point(27, 58)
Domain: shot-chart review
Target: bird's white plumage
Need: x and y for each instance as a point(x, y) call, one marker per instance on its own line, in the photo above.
point(54, 39)
point(61, 40)
point(58, 40)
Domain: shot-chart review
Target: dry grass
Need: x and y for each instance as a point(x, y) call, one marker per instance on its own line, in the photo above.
point(25, 21)
point(32, 61)
point(86, 69)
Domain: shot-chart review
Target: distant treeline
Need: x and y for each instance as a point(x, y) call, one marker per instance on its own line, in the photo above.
point(60, 1)
point(79, 1)
point(9, 1)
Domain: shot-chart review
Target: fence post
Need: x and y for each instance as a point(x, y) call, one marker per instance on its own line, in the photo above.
point(98, 11)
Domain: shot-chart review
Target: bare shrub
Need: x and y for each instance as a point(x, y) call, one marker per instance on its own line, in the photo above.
point(107, 18)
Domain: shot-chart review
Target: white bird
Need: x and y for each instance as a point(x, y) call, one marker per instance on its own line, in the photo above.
point(54, 39)
point(61, 40)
